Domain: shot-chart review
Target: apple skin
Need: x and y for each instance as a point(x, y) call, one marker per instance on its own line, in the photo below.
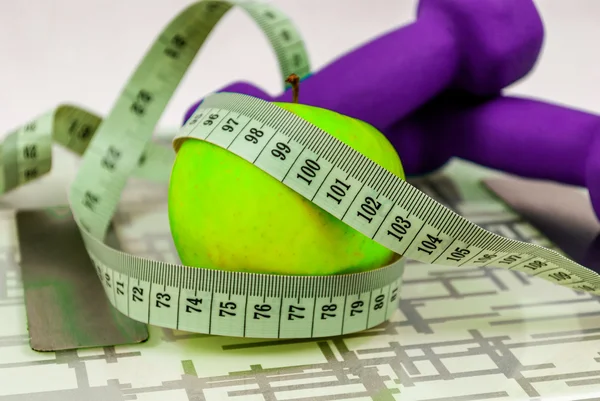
point(226, 214)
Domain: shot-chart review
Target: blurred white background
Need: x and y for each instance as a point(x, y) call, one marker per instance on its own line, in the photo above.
point(83, 52)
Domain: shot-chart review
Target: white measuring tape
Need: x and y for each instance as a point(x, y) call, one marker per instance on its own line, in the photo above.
point(407, 221)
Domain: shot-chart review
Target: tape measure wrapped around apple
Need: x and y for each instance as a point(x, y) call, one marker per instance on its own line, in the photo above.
point(227, 214)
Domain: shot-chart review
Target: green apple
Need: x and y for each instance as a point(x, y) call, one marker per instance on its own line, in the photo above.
point(227, 214)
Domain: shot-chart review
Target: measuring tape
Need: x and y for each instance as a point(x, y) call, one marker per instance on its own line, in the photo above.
point(405, 220)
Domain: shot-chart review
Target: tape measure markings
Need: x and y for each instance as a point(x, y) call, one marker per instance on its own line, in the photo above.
point(84, 191)
point(152, 302)
point(410, 205)
point(311, 291)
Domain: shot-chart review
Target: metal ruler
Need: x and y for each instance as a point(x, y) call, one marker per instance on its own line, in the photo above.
point(113, 149)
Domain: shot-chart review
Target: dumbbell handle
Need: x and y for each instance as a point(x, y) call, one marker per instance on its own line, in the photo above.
point(407, 66)
point(520, 136)
point(479, 46)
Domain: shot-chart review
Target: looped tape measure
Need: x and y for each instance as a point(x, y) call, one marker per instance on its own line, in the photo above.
point(372, 200)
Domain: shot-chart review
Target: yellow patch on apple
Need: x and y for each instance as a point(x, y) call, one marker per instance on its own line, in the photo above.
point(226, 214)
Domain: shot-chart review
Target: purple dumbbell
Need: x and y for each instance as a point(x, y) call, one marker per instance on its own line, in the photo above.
point(478, 46)
point(525, 137)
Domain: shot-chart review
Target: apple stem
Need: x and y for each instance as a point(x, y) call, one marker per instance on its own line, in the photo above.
point(294, 80)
